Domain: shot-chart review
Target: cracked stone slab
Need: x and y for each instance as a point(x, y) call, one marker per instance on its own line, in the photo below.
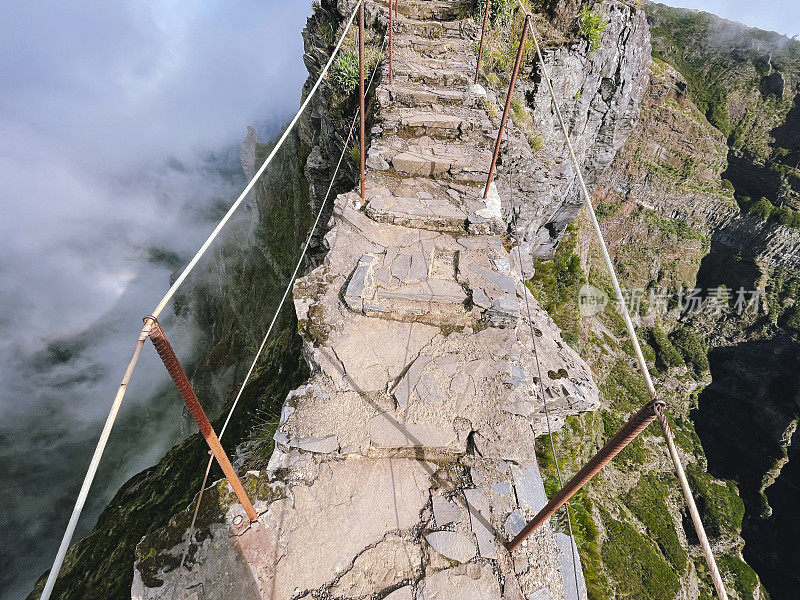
point(309, 538)
point(467, 582)
point(388, 563)
point(452, 545)
point(445, 511)
point(480, 518)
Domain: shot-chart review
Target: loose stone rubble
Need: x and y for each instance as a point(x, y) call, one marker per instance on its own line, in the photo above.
point(407, 459)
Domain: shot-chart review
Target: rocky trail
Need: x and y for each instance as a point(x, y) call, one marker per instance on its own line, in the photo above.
point(407, 460)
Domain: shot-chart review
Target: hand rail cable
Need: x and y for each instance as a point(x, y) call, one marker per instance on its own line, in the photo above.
point(116, 404)
point(679, 471)
point(525, 292)
point(275, 316)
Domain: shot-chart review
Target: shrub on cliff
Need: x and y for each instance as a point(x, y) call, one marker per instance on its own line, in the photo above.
point(636, 567)
point(344, 72)
point(591, 26)
point(692, 347)
point(556, 284)
point(762, 208)
point(786, 216)
point(667, 354)
point(720, 506)
point(792, 319)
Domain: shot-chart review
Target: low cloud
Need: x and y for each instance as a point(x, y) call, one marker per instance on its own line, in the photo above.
point(119, 131)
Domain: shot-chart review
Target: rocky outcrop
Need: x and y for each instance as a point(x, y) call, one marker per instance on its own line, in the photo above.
point(407, 459)
point(601, 93)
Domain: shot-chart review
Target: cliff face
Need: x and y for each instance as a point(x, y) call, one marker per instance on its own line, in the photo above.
point(671, 222)
point(601, 90)
point(746, 82)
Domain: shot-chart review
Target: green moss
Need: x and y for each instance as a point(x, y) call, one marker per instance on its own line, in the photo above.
point(623, 387)
point(720, 506)
point(646, 502)
point(638, 572)
point(762, 209)
point(744, 578)
point(667, 354)
point(675, 228)
point(606, 210)
point(692, 347)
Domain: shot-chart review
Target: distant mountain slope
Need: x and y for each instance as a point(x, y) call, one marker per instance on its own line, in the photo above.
point(746, 82)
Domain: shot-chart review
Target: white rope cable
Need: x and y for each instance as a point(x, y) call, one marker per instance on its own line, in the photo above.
point(112, 415)
point(719, 584)
point(573, 545)
point(595, 224)
point(275, 316)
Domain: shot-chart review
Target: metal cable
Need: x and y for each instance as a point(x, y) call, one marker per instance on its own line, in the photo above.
point(112, 415)
point(275, 316)
point(718, 583)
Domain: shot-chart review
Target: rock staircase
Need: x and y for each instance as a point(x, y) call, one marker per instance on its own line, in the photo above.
point(407, 459)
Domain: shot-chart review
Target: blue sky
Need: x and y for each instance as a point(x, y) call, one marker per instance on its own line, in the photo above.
point(782, 16)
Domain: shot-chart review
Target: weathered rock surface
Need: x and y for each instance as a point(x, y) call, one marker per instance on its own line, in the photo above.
point(602, 92)
point(407, 460)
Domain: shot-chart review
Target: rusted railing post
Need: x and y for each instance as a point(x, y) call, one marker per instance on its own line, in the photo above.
point(508, 103)
point(175, 371)
point(483, 33)
point(391, 42)
point(622, 438)
point(361, 89)
point(716, 578)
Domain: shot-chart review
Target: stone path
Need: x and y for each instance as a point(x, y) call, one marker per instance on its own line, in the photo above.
point(408, 458)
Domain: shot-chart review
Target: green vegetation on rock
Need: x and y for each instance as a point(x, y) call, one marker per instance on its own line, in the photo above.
point(647, 502)
point(692, 347)
point(720, 506)
point(556, 285)
point(633, 562)
point(668, 355)
point(591, 25)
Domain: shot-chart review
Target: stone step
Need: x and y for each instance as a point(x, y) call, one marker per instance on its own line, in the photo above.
point(409, 122)
point(432, 77)
point(441, 284)
point(432, 205)
point(411, 96)
point(439, 159)
point(456, 50)
point(422, 210)
point(439, 10)
point(432, 30)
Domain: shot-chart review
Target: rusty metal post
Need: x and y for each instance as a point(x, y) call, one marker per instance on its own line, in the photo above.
point(361, 89)
point(175, 371)
point(483, 32)
point(622, 438)
point(508, 104)
point(391, 43)
point(716, 578)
